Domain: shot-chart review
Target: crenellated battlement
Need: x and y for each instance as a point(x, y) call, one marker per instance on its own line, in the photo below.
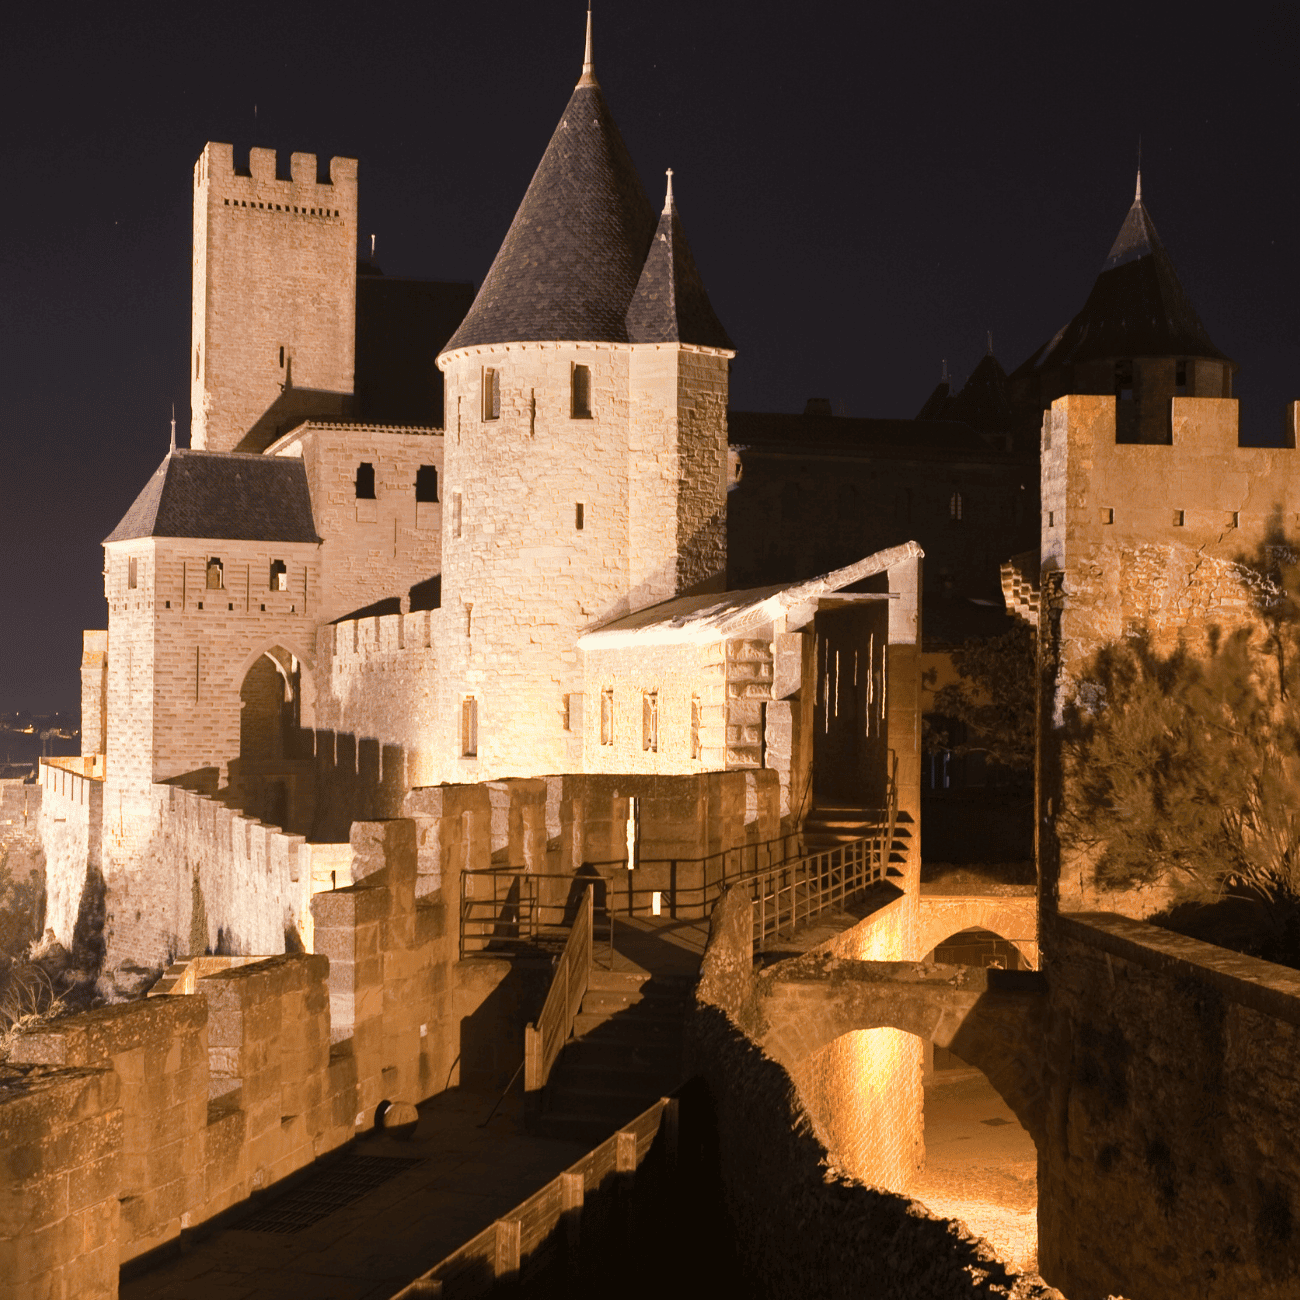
point(215, 168)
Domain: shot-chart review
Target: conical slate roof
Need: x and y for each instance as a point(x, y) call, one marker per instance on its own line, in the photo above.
point(215, 494)
point(670, 304)
point(1137, 307)
point(574, 252)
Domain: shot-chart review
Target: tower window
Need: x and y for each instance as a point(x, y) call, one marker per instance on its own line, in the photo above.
point(581, 393)
point(282, 357)
point(579, 516)
point(469, 727)
point(365, 481)
point(650, 721)
point(697, 748)
point(426, 483)
point(955, 507)
point(131, 571)
point(214, 575)
point(491, 393)
point(607, 716)
point(455, 514)
point(279, 576)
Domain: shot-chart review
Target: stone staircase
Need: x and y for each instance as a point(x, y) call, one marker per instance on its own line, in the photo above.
point(625, 1053)
point(828, 825)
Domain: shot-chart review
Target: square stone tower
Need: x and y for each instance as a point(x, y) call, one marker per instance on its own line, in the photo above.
point(274, 297)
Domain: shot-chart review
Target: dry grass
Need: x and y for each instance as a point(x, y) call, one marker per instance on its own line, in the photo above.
point(27, 999)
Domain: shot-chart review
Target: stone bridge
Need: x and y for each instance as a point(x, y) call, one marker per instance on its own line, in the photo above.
point(993, 1019)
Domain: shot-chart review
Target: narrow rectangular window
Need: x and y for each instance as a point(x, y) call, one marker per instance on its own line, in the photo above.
point(581, 392)
point(1179, 517)
point(491, 393)
point(1236, 518)
point(279, 576)
point(650, 721)
point(579, 516)
point(697, 749)
point(365, 481)
point(607, 716)
point(469, 727)
point(1107, 515)
point(215, 574)
point(131, 572)
point(455, 514)
point(568, 713)
point(469, 617)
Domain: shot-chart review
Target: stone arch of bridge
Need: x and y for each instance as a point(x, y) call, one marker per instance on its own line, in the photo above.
point(1013, 918)
point(996, 1027)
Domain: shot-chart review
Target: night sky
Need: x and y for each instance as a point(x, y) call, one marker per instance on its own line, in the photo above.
point(867, 190)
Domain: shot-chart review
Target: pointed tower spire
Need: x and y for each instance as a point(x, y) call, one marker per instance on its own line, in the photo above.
point(670, 304)
point(588, 77)
point(1137, 197)
point(173, 446)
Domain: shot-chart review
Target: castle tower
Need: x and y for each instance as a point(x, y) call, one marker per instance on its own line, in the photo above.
point(585, 470)
point(1138, 338)
point(274, 297)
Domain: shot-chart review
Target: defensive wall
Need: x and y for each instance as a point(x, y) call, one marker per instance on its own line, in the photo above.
point(122, 1127)
point(22, 865)
point(1141, 540)
point(1171, 1160)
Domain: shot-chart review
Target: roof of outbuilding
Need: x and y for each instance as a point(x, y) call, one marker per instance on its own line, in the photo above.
point(670, 304)
point(574, 252)
point(1137, 307)
point(222, 495)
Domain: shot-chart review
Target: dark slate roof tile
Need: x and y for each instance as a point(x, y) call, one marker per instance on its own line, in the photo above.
point(222, 494)
point(670, 304)
point(1137, 308)
point(574, 252)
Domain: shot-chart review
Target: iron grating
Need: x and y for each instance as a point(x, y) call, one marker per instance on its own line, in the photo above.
point(345, 1181)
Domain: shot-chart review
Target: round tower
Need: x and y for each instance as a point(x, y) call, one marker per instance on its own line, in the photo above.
point(576, 489)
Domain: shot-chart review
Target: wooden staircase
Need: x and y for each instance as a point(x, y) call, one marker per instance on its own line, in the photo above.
point(625, 1053)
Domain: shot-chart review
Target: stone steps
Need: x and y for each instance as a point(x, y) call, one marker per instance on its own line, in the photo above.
point(626, 1053)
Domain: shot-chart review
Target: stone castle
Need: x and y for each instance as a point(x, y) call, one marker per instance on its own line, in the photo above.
point(534, 602)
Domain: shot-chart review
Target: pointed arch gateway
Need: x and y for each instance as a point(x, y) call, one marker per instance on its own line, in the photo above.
point(272, 776)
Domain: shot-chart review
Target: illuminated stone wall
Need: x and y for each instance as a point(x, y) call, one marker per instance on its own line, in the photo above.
point(1142, 539)
point(373, 549)
point(274, 296)
point(521, 579)
point(1172, 1161)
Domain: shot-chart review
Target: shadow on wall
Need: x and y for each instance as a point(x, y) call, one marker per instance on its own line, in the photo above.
point(356, 779)
point(292, 408)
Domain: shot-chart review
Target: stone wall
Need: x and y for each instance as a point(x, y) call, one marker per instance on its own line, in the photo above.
point(524, 571)
point(94, 692)
point(802, 1225)
point(1141, 540)
point(197, 1100)
point(60, 1175)
point(71, 822)
point(22, 866)
point(374, 549)
point(1172, 1161)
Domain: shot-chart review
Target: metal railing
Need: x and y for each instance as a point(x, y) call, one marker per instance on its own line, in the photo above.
point(508, 910)
point(544, 1039)
point(786, 896)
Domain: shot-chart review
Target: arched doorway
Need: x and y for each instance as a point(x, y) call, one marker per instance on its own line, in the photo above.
point(271, 779)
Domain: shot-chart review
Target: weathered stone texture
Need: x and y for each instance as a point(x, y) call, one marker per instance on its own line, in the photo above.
point(1172, 1139)
point(60, 1174)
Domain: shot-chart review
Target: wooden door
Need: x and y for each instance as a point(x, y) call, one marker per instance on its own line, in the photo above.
point(851, 744)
